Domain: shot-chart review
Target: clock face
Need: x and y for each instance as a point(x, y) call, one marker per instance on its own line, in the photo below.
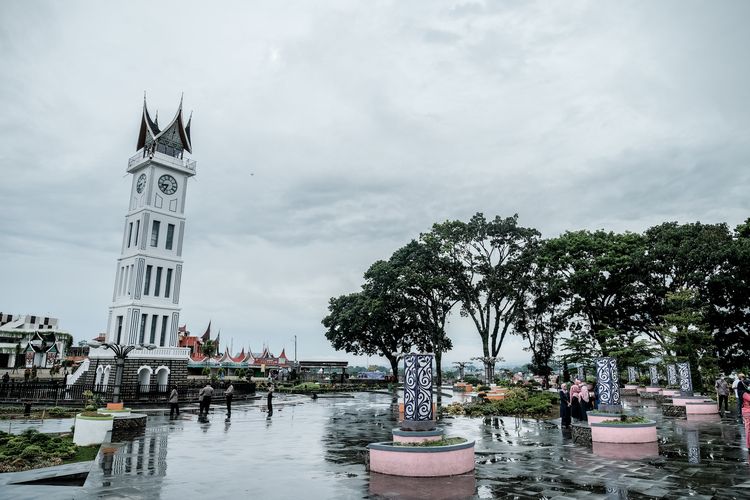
point(141, 183)
point(167, 184)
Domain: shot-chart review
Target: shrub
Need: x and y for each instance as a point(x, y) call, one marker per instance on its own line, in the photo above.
point(483, 388)
point(32, 452)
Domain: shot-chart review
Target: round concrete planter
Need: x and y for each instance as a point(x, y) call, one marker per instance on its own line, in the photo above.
point(626, 451)
point(605, 432)
point(91, 430)
point(400, 436)
point(701, 408)
point(114, 413)
point(421, 461)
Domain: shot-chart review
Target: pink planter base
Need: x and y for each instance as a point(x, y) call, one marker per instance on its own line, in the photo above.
point(595, 419)
point(619, 433)
point(702, 408)
point(627, 451)
point(655, 390)
point(427, 462)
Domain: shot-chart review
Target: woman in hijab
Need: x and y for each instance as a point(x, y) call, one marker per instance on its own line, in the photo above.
point(575, 401)
point(746, 417)
point(564, 405)
point(584, 400)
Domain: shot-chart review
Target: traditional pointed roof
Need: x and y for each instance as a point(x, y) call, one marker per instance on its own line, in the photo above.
point(175, 134)
point(283, 353)
point(240, 357)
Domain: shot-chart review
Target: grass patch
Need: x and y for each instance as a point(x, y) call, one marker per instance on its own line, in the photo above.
point(426, 444)
point(627, 419)
point(518, 402)
point(33, 449)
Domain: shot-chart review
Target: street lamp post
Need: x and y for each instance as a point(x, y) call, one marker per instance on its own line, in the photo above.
point(121, 352)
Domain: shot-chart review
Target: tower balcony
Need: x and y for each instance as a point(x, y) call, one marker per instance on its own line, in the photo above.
point(143, 157)
point(157, 353)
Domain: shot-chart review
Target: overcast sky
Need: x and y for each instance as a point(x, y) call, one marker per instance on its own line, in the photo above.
point(362, 124)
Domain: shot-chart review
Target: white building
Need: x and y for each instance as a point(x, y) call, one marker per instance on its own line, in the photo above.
point(146, 296)
point(28, 340)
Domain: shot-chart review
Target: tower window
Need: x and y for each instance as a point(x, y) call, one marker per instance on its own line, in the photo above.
point(170, 236)
point(142, 336)
point(155, 233)
point(137, 230)
point(157, 284)
point(164, 320)
point(130, 233)
point(119, 329)
point(154, 319)
point(147, 280)
point(168, 284)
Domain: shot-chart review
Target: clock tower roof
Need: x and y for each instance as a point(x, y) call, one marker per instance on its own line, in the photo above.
point(175, 136)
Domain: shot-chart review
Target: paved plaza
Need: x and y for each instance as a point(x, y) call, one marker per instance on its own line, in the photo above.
point(316, 449)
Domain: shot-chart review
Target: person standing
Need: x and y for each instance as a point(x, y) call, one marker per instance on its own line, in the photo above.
point(575, 401)
point(722, 392)
point(270, 403)
point(207, 392)
point(739, 390)
point(174, 399)
point(229, 393)
point(585, 400)
point(746, 417)
point(564, 405)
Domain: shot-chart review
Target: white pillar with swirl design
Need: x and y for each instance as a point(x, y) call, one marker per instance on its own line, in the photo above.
point(608, 385)
point(418, 413)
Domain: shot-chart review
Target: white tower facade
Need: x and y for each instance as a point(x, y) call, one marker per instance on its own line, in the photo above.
point(146, 298)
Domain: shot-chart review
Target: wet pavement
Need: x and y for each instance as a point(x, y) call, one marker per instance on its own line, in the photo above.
point(316, 449)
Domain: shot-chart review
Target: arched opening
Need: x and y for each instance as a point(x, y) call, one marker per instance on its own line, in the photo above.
point(162, 378)
point(105, 378)
point(98, 377)
point(144, 378)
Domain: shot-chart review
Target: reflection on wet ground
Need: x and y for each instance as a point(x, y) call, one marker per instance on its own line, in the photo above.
point(316, 449)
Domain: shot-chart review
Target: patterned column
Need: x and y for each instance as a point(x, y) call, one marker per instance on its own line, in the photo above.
point(654, 372)
point(418, 392)
point(672, 374)
point(632, 377)
point(608, 384)
point(581, 375)
point(686, 383)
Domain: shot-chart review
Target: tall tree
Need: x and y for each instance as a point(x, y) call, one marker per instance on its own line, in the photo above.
point(542, 316)
point(375, 321)
point(426, 280)
point(602, 281)
point(491, 272)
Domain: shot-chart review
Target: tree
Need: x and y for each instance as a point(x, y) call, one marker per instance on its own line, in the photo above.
point(687, 336)
point(602, 281)
point(425, 280)
point(209, 348)
point(371, 322)
point(490, 269)
point(542, 315)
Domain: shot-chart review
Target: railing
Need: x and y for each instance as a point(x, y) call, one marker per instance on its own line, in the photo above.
point(144, 155)
point(57, 393)
point(159, 352)
point(79, 371)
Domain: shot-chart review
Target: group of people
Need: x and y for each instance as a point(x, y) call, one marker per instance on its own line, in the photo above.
point(204, 400)
point(742, 393)
point(576, 402)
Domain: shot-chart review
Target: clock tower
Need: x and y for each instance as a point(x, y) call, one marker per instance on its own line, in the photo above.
point(146, 297)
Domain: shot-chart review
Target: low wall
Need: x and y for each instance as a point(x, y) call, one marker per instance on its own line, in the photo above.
point(623, 433)
point(422, 461)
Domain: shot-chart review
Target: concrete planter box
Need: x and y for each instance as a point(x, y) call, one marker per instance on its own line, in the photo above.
point(115, 412)
point(422, 461)
point(604, 432)
point(670, 392)
point(654, 390)
point(683, 400)
point(626, 451)
point(400, 436)
point(91, 430)
point(701, 408)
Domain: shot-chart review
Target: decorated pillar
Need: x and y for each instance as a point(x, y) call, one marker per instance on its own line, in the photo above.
point(654, 373)
point(581, 375)
point(632, 376)
point(418, 413)
point(686, 382)
point(608, 385)
point(672, 375)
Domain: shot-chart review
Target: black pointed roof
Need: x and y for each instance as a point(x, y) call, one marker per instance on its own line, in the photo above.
point(175, 133)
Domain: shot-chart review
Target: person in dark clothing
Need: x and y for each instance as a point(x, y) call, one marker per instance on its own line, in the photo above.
point(270, 404)
point(575, 402)
point(174, 399)
point(739, 391)
point(722, 392)
point(564, 406)
point(229, 394)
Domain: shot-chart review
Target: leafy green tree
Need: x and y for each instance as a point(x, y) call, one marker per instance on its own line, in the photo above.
point(688, 336)
point(209, 348)
point(375, 321)
point(491, 265)
point(602, 281)
point(425, 278)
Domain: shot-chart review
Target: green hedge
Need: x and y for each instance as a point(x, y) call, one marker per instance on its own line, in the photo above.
point(518, 402)
point(32, 449)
